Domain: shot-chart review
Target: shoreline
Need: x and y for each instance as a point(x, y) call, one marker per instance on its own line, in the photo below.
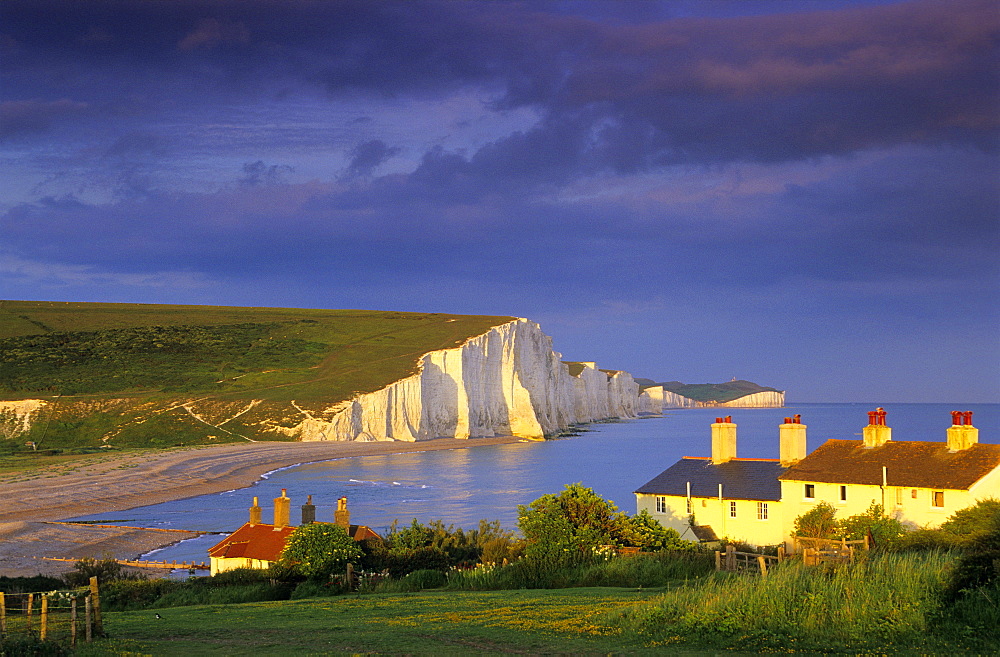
point(118, 482)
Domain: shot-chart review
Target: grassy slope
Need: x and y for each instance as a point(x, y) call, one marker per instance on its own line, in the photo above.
point(158, 354)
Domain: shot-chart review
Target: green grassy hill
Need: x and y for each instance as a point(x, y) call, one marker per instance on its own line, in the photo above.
point(125, 370)
point(715, 392)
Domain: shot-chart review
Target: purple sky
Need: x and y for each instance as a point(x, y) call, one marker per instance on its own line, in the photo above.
point(803, 194)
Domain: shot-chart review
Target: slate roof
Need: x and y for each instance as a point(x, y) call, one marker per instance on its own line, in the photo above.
point(742, 479)
point(908, 463)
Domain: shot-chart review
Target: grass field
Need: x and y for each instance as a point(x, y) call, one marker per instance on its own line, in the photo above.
point(564, 621)
point(98, 365)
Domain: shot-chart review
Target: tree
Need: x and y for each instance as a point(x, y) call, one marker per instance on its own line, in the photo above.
point(565, 529)
point(817, 522)
point(319, 549)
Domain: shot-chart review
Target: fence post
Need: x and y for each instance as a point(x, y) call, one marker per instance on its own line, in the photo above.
point(31, 604)
point(3, 616)
point(781, 553)
point(87, 605)
point(762, 562)
point(718, 561)
point(730, 558)
point(95, 594)
point(44, 629)
point(72, 621)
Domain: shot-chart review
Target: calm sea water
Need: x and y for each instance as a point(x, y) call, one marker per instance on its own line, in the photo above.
point(462, 486)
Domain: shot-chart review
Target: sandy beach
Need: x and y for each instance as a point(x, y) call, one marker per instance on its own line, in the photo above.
point(35, 500)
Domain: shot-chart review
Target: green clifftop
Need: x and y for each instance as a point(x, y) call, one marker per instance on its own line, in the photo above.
point(124, 374)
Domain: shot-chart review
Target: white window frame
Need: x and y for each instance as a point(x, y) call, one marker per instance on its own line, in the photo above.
point(935, 496)
point(809, 491)
point(732, 508)
point(661, 503)
point(761, 510)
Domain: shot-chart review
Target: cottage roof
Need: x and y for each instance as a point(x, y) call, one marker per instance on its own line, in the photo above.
point(907, 462)
point(743, 479)
point(261, 542)
point(265, 542)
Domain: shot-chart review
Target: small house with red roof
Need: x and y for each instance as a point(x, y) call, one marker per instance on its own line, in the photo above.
point(258, 545)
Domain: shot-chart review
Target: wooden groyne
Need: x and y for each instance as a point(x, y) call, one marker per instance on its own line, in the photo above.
point(137, 563)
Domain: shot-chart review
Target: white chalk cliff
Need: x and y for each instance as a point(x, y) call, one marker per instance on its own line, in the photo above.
point(764, 399)
point(507, 381)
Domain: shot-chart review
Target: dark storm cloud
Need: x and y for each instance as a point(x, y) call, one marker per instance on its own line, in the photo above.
point(20, 117)
point(759, 88)
point(368, 155)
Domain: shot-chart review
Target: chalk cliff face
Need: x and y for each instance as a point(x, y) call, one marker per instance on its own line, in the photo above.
point(767, 399)
point(655, 399)
point(507, 381)
point(16, 417)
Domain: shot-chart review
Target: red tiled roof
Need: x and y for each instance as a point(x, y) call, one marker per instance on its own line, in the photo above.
point(265, 542)
point(907, 462)
point(262, 542)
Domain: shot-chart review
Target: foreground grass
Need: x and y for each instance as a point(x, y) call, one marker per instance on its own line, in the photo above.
point(887, 604)
point(565, 621)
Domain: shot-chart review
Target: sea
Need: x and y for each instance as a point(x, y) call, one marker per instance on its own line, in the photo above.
point(463, 486)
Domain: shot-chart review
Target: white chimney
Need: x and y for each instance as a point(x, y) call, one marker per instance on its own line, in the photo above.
point(723, 440)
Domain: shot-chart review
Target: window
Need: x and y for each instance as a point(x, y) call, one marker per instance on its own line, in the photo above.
point(913, 493)
point(843, 493)
point(937, 498)
point(732, 509)
point(899, 497)
point(661, 503)
point(761, 510)
point(689, 509)
point(810, 491)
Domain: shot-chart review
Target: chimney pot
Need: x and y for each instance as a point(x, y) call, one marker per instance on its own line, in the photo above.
point(876, 433)
point(282, 510)
point(723, 441)
point(962, 435)
point(308, 511)
point(342, 517)
point(791, 441)
point(255, 513)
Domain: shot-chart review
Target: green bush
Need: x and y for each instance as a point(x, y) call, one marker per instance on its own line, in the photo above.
point(126, 595)
point(401, 562)
point(319, 550)
point(30, 584)
point(105, 570)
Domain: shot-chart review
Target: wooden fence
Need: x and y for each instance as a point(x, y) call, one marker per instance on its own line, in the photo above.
point(828, 550)
point(742, 562)
point(59, 616)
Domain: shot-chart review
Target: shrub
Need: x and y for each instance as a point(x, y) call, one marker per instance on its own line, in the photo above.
point(980, 565)
point(818, 522)
point(318, 550)
point(883, 529)
point(106, 570)
point(402, 562)
point(564, 530)
point(653, 537)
